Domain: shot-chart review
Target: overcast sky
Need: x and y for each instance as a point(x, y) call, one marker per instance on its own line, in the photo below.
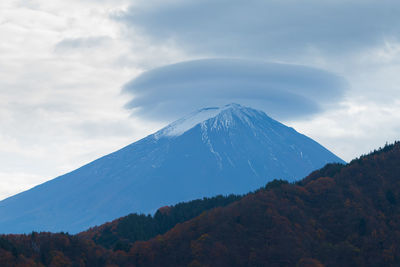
point(82, 78)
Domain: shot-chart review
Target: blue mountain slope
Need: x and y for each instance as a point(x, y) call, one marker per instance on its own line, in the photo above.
point(225, 150)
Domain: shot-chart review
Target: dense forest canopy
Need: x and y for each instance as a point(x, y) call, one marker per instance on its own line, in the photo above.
point(340, 215)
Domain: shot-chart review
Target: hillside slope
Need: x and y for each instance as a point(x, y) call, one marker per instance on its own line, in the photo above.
point(227, 150)
point(337, 216)
point(123, 232)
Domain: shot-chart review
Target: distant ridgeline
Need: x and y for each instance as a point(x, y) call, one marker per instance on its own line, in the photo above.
point(340, 215)
point(213, 151)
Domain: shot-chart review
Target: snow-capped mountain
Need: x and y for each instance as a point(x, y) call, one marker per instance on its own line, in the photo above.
point(232, 149)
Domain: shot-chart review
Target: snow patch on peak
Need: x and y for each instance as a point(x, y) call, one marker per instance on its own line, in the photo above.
point(186, 123)
point(232, 113)
point(181, 126)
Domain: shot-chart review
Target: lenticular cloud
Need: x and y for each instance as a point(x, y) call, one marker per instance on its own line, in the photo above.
point(284, 91)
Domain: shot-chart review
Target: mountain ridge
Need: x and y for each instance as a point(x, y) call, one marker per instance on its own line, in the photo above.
point(221, 116)
point(235, 151)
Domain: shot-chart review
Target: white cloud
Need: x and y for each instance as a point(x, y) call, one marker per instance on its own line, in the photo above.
point(60, 108)
point(63, 64)
point(13, 183)
point(354, 129)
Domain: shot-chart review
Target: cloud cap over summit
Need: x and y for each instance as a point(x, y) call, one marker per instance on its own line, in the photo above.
point(284, 91)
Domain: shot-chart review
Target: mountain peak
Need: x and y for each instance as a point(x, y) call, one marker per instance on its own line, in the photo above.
point(217, 150)
point(233, 106)
point(221, 114)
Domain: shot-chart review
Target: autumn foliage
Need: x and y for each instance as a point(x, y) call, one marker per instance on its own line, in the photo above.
point(337, 216)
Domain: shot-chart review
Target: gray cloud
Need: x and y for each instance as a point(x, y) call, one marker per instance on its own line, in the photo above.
point(70, 44)
point(267, 29)
point(283, 91)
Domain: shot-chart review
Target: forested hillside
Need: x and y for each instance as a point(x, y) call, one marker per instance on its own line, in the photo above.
point(123, 232)
point(95, 246)
point(337, 216)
